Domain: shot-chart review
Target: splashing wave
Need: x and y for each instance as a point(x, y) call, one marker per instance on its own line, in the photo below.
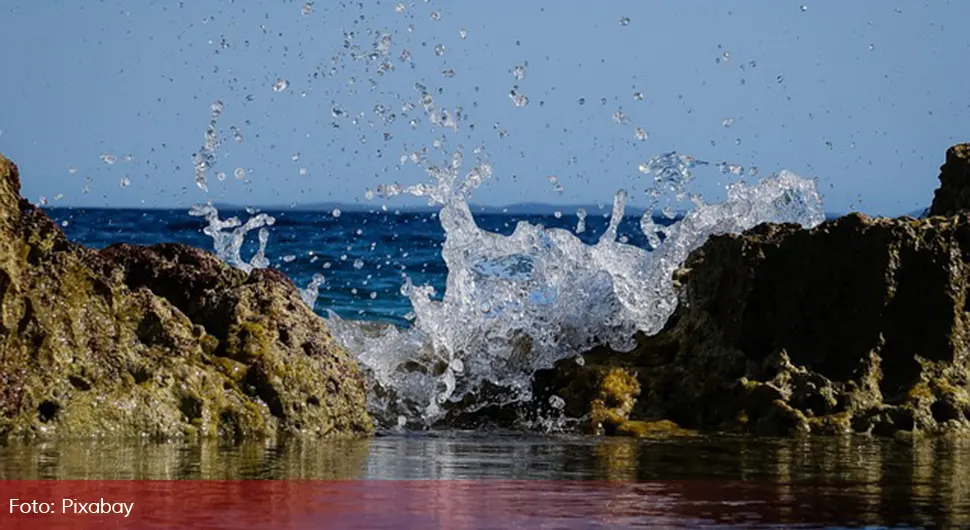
point(517, 304)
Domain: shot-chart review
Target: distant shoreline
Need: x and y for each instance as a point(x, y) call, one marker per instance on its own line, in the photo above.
point(568, 210)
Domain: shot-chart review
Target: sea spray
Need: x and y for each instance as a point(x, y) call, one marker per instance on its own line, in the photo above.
point(229, 235)
point(206, 157)
point(515, 304)
point(312, 290)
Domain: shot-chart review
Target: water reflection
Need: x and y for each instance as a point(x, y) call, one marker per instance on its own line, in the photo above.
point(726, 480)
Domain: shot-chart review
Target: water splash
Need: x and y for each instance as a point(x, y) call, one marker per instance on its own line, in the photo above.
point(206, 157)
point(580, 220)
point(229, 235)
point(516, 304)
point(312, 291)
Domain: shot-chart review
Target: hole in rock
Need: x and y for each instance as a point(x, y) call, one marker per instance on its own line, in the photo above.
point(47, 411)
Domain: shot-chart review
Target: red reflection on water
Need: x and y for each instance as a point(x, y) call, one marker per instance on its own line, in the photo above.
point(453, 505)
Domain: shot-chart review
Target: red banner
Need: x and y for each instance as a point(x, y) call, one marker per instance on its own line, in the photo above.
point(452, 505)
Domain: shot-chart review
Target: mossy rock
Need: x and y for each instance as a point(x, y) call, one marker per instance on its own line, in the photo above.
point(163, 341)
point(652, 429)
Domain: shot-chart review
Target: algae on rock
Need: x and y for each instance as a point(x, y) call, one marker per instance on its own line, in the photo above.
point(162, 341)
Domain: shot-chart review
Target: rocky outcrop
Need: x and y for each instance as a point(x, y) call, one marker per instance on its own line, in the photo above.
point(858, 325)
point(162, 341)
point(953, 195)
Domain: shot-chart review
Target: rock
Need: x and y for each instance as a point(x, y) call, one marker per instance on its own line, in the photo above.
point(618, 391)
point(953, 195)
point(163, 341)
point(858, 325)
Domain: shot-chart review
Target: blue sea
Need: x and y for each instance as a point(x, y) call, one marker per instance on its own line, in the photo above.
point(362, 254)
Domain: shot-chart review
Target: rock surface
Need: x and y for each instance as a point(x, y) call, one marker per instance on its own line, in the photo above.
point(858, 325)
point(162, 341)
point(953, 195)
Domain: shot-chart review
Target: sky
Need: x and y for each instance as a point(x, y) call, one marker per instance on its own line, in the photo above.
point(864, 96)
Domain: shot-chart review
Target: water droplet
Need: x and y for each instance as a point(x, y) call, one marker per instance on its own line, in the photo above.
point(240, 173)
point(71, 170)
point(448, 73)
point(641, 135)
point(625, 21)
point(620, 117)
point(518, 72)
point(638, 96)
point(557, 402)
point(307, 7)
point(358, 264)
point(727, 122)
point(281, 85)
point(520, 100)
point(64, 223)
point(125, 182)
point(42, 201)
point(463, 33)
point(400, 7)
point(872, 47)
point(439, 50)
point(109, 159)
point(557, 214)
point(436, 15)
point(221, 175)
point(554, 180)
point(581, 220)
point(335, 212)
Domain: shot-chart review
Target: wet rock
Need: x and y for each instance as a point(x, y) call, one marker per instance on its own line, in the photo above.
point(163, 341)
point(858, 325)
point(618, 391)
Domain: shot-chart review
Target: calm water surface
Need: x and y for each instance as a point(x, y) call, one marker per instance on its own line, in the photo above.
point(569, 482)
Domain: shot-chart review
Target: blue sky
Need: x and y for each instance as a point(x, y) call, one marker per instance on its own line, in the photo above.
point(865, 96)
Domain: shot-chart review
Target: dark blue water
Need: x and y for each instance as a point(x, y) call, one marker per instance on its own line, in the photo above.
point(388, 246)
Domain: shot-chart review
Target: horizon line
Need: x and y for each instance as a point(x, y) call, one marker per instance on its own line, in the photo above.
point(520, 209)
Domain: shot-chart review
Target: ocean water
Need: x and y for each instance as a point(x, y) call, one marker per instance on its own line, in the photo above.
point(362, 254)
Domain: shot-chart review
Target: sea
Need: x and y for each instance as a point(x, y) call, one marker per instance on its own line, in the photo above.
point(363, 254)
